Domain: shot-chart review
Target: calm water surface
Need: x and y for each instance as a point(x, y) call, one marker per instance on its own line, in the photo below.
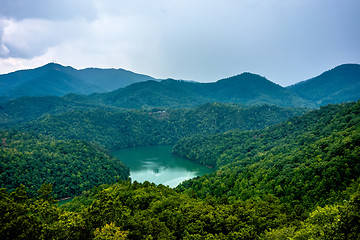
point(156, 164)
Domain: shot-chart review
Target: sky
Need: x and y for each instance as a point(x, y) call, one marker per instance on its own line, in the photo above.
point(286, 41)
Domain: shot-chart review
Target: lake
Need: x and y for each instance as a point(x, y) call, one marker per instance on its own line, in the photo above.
point(157, 164)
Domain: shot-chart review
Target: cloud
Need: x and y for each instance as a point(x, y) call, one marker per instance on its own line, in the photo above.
point(29, 38)
point(48, 9)
point(29, 28)
point(3, 49)
point(285, 40)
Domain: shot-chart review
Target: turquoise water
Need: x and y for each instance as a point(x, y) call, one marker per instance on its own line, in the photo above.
point(156, 164)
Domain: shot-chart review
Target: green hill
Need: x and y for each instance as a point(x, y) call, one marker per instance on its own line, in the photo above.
point(125, 89)
point(72, 167)
point(56, 80)
point(308, 160)
point(341, 84)
point(247, 88)
point(52, 82)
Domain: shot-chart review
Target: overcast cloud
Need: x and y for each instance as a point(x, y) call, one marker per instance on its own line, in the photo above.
point(204, 40)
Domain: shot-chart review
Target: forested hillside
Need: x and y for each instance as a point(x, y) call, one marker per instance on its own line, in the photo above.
point(306, 161)
point(125, 89)
point(56, 80)
point(295, 180)
point(72, 167)
point(340, 84)
point(246, 88)
point(26, 109)
point(115, 129)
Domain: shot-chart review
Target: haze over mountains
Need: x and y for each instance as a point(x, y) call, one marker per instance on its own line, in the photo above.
point(125, 89)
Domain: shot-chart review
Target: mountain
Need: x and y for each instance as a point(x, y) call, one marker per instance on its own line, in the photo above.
point(246, 88)
point(340, 84)
point(110, 79)
point(250, 89)
point(125, 89)
point(56, 80)
point(166, 93)
point(53, 82)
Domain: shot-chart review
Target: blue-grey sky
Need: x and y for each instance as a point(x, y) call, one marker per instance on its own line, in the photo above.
point(286, 41)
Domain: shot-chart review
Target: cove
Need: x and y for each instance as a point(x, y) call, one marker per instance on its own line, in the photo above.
point(157, 164)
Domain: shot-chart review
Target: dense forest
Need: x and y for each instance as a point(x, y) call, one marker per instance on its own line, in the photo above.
point(295, 180)
point(72, 167)
point(308, 160)
point(280, 172)
point(145, 211)
point(115, 129)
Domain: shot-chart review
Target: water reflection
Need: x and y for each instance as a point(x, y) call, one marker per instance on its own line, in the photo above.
point(156, 164)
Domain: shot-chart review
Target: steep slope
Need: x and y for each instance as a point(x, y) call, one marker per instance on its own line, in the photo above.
point(308, 160)
point(57, 80)
point(337, 85)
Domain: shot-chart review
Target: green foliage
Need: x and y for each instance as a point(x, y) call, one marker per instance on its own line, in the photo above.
point(306, 161)
point(296, 180)
point(130, 128)
point(27, 109)
point(246, 88)
point(146, 211)
point(69, 167)
point(109, 231)
point(340, 221)
point(29, 218)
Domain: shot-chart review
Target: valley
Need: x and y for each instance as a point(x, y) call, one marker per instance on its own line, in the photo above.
point(239, 158)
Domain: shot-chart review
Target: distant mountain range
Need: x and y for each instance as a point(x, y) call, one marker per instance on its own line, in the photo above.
point(246, 89)
point(56, 80)
point(125, 89)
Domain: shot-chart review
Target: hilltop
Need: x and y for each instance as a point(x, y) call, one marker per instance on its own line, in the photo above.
point(56, 80)
point(340, 84)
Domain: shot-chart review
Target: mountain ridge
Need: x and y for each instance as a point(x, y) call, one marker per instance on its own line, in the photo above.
point(171, 93)
point(340, 84)
point(69, 80)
